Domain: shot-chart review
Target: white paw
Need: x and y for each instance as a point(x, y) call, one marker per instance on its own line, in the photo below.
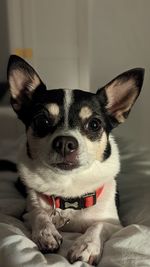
point(47, 238)
point(87, 249)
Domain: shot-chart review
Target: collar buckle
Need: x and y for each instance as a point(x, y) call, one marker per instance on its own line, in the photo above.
point(72, 203)
point(78, 202)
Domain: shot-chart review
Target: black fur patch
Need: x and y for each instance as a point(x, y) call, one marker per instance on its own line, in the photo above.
point(6, 165)
point(28, 150)
point(107, 151)
point(21, 187)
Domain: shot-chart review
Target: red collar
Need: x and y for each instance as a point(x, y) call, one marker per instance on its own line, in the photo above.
point(77, 203)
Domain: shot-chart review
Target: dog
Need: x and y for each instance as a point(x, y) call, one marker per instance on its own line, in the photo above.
point(70, 160)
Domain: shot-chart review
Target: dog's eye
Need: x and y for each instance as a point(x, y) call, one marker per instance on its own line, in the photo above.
point(93, 125)
point(41, 125)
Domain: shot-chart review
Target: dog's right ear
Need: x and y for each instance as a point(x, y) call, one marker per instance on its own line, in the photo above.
point(23, 81)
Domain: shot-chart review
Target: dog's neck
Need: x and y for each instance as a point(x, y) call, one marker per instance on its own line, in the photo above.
point(77, 203)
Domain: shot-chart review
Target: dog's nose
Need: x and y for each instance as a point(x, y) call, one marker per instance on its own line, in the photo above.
point(65, 145)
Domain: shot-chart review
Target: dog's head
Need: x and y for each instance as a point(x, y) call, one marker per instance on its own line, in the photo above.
point(68, 130)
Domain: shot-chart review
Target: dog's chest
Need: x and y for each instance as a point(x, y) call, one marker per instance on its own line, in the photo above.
point(79, 220)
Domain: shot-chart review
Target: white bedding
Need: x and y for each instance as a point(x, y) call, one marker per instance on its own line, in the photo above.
point(127, 248)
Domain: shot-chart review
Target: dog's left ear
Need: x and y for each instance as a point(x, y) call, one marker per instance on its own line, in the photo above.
point(120, 94)
point(23, 81)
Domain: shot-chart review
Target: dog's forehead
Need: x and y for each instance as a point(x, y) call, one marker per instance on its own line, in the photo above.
point(84, 102)
point(67, 99)
point(62, 95)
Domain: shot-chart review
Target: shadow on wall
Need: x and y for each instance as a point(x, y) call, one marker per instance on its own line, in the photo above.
point(4, 39)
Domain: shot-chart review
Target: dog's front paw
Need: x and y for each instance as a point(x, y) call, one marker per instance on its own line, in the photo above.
point(85, 249)
point(47, 238)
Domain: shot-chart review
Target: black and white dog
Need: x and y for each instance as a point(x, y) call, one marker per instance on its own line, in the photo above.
point(69, 160)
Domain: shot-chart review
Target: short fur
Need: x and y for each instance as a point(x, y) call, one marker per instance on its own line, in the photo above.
point(69, 151)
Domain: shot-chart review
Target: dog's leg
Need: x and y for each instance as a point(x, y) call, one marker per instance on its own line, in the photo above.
point(89, 246)
point(44, 232)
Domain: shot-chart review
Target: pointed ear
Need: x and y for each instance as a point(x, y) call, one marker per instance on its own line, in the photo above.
point(23, 81)
point(121, 93)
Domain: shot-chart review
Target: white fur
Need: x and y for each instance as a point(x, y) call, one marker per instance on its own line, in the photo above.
point(96, 223)
point(67, 104)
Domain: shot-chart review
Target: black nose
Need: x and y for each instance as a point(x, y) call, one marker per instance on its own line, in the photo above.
point(65, 145)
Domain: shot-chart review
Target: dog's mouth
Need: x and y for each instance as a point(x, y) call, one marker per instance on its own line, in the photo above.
point(67, 162)
point(67, 166)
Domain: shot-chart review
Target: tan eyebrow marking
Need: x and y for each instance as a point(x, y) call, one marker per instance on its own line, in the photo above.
point(53, 109)
point(85, 112)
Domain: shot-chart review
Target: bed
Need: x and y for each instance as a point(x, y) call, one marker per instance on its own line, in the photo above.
point(127, 248)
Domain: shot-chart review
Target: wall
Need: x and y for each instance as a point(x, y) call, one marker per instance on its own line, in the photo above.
point(120, 40)
point(4, 40)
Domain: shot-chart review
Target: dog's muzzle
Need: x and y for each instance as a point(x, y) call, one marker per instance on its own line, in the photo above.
point(67, 148)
